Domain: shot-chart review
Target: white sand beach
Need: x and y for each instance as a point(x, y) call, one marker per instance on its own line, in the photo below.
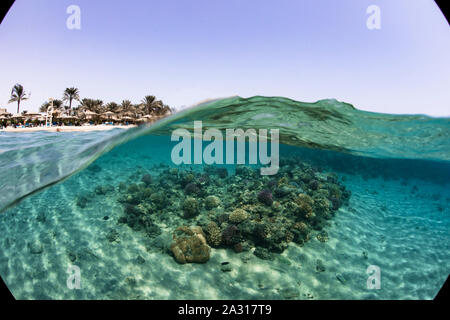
point(67, 128)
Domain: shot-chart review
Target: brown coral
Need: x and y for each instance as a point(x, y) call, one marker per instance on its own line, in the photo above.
point(189, 245)
point(310, 215)
point(321, 205)
point(190, 207)
point(305, 204)
point(212, 202)
point(214, 234)
point(301, 226)
point(238, 215)
point(322, 237)
point(289, 236)
point(282, 181)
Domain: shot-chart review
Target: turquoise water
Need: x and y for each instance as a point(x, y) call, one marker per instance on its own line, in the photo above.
point(110, 202)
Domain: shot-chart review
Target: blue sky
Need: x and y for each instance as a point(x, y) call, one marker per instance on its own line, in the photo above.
point(186, 51)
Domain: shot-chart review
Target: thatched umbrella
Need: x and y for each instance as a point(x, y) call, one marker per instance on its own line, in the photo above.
point(127, 119)
point(107, 115)
point(129, 114)
point(4, 112)
point(65, 116)
point(32, 116)
point(17, 117)
point(90, 114)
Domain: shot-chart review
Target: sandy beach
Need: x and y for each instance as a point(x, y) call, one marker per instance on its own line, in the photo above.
point(67, 128)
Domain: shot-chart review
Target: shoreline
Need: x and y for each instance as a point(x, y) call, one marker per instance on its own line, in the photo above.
point(68, 128)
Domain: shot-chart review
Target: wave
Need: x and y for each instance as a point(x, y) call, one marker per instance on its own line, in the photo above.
point(326, 124)
point(32, 161)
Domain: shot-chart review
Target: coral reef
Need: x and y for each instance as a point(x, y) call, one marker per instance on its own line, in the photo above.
point(112, 235)
point(231, 235)
point(322, 236)
point(265, 197)
point(212, 202)
point(189, 245)
point(242, 211)
point(190, 207)
point(238, 215)
point(147, 179)
point(192, 188)
point(214, 234)
point(304, 203)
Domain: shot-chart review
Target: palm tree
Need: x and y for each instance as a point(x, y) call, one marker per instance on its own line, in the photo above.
point(57, 104)
point(112, 106)
point(18, 94)
point(44, 107)
point(126, 105)
point(94, 105)
point(149, 104)
point(71, 94)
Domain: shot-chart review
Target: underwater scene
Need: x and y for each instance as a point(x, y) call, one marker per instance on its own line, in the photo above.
point(358, 208)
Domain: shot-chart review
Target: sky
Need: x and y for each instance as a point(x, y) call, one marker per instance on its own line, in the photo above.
point(187, 51)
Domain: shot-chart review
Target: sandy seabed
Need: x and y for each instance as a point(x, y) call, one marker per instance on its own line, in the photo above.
point(402, 232)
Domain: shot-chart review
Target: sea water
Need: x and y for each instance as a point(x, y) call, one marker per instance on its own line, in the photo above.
point(66, 198)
